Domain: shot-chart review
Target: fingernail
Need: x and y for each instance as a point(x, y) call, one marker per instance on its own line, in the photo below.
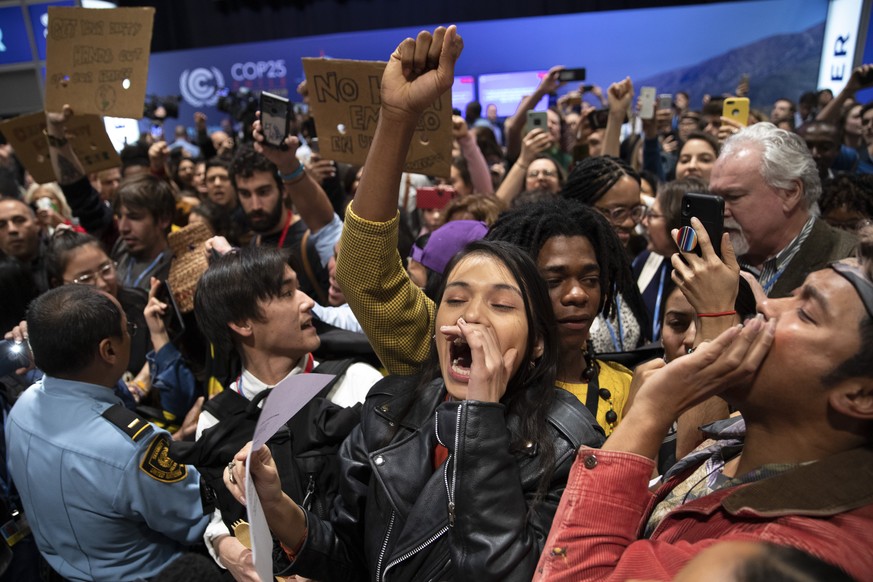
point(462, 321)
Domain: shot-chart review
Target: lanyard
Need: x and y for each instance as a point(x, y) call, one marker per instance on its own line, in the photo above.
point(656, 322)
point(284, 231)
point(617, 343)
point(310, 363)
point(143, 274)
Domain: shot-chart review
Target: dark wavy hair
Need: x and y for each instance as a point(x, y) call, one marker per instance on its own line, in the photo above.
point(232, 289)
point(247, 161)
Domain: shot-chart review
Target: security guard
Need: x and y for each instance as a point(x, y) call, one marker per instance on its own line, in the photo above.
point(99, 492)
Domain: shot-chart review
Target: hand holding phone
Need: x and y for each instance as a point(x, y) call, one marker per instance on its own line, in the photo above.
point(275, 120)
point(709, 210)
point(571, 75)
point(536, 120)
point(737, 108)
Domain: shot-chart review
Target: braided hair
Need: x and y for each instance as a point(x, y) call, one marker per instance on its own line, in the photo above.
point(531, 225)
point(593, 177)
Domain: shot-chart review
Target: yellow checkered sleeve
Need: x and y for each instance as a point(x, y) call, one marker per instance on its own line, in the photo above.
point(397, 316)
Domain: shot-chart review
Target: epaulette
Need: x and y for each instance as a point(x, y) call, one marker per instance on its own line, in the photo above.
point(128, 421)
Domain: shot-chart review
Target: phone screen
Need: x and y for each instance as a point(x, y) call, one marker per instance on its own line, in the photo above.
point(274, 119)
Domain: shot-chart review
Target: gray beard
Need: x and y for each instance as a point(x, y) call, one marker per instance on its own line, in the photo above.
point(738, 238)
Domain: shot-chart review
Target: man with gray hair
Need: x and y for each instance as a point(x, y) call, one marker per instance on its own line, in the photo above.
point(770, 185)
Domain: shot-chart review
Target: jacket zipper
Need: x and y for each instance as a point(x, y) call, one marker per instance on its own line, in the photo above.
point(384, 547)
point(413, 551)
point(450, 491)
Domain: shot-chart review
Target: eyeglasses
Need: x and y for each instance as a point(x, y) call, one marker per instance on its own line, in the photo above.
point(105, 272)
point(534, 174)
point(131, 328)
point(648, 214)
point(620, 214)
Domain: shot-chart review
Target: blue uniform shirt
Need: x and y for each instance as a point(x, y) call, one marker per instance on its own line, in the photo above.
point(103, 505)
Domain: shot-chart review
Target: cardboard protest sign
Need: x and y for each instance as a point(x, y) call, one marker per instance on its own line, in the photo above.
point(87, 136)
point(344, 100)
point(98, 60)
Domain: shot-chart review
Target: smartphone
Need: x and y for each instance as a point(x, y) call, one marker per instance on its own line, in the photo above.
point(597, 119)
point(587, 88)
point(709, 209)
point(275, 115)
point(744, 80)
point(173, 317)
point(430, 197)
point(665, 101)
point(737, 108)
point(536, 120)
point(157, 132)
point(313, 145)
point(647, 102)
point(572, 75)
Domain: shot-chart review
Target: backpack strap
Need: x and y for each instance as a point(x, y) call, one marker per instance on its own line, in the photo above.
point(307, 266)
point(337, 368)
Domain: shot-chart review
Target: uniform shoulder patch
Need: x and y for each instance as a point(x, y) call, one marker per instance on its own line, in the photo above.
point(157, 464)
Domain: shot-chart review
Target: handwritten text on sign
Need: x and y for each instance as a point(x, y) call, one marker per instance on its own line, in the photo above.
point(344, 97)
point(98, 60)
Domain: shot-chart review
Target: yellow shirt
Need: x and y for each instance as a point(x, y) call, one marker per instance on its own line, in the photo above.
point(615, 378)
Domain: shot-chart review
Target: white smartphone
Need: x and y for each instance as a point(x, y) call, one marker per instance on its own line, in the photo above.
point(647, 102)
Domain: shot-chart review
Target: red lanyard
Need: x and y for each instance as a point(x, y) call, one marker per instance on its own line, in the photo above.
point(285, 230)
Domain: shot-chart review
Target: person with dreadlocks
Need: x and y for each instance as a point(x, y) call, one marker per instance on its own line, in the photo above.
point(612, 187)
point(586, 268)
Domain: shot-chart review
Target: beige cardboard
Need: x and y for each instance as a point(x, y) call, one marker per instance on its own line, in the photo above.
point(86, 133)
point(98, 60)
point(344, 100)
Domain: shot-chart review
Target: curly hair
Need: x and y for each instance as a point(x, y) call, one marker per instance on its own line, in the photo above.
point(246, 162)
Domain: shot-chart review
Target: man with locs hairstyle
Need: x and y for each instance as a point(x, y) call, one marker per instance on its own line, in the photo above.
point(102, 497)
point(770, 185)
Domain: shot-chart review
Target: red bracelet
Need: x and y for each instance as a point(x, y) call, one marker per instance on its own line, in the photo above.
point(719, 314)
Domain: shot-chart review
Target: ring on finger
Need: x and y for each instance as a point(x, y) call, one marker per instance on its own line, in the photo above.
point(231, 478)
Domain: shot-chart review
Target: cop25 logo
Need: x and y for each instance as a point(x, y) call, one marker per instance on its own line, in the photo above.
point(201, 86)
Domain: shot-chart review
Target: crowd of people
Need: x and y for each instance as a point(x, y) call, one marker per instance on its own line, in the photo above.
point(533, 380)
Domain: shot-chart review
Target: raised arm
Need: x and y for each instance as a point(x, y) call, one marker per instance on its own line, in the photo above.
point(310, 200)
point(620, 96)
point(369, 269)
point(831, 111)
point(94, 216)
point(515, 124)
point(480, 175)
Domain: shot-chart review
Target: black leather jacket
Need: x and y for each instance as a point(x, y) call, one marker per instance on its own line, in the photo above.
point(398, 519)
